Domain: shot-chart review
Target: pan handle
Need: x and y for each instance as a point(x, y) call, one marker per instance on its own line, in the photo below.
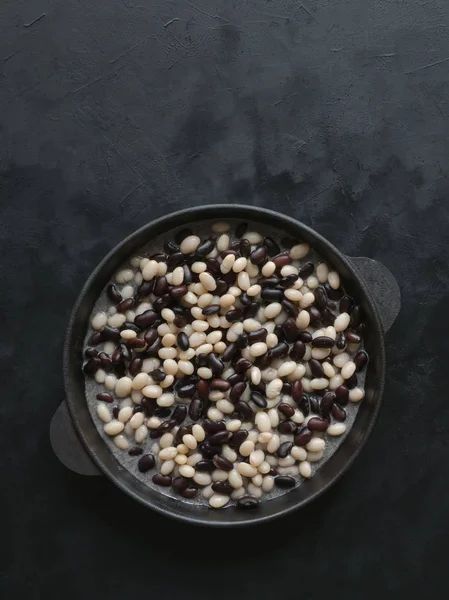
point(383, 286)
point(67, 446)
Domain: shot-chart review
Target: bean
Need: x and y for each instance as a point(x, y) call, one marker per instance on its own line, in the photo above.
point(317, 424)
point(336, 429)
point(305, 469)
point(360, 360)
point(322, 341)
point(303, 437)
point(316, 368)
point(104, 397)
point(338, 413)
point(135, 451)
point(351, 337)
point(205, 466)
point(146, 462)
point(222, 463)
point(222, 487)
point(195, 409)
point(186, 391)
point(236, 391)
point(218, 500)
point(348, 369)
point(272, 295)
point(340, 340)
point(258, 255)
point(284, 481)
point(162, 480)
point(284, 449)
point(247, 502)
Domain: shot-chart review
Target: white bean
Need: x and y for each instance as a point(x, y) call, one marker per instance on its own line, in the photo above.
point(262, 422)
point(255, 374)
point(152, 391)
point(243, 281)
point(166, 399)
point(189, 244)
point(114, 427)
point(314, 456)
point(307, 300)
point(189, 441)
point(150, 270)
point(103, 412)
point(253, 290)
point(167, 381)
point(124, 276)
point(185, 366)
point(218, 500)
point(305, 469)
point(168, 453)
point(121, 442)
point(137, 420)
point(253, 237)
point(125, 414)
point(348, 369)
point(227, 263)
point(258, 349)
point(342, 322)
point(204, 373)
point(316, 444)
point(303, 319)
point(299, 251)
point(225, 407)
point(272, 310)
point(198, 267)
point(197, 339)
point(335, 381)
point(220, 227)
point(167, 467)
point(223, 242)
point(239, 264)
point(299, 453)
point(123, 387)
point(274, 444)
point(320, 353)
point(208, 281)
point(246, 448)
point(100, 376)
point(167, 353)
point(319, 383)
point(202, 478)
point(246, 469)
point(268, 269)
point(274, 388)
point(233, 425)
point(140, 434)
point(356, 394)
point(140, 381)
point(267, 484)
point(219, 475)
point(110, 382)
point(214, 414)
point(186, 471)
point(235, 479)
point(99, 320)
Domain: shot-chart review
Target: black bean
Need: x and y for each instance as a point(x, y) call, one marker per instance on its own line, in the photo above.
point(208, 451)
point(258, 400)
point(333, 294)
point(167, 426)
point(288, 281)
point(317, 424)
point(105, 359)
point(160, 286)
point(242, 365)
point(306, 270)
point(241, 229)
point(315, 316)
point(298, 351)
point(235, 378)
point(297, 390)
point(290, 308)
point(92, 366)
point(136, 342)
point(340, 340)
point(279, 351)
point(244, 409)
point(303, 437)
point(137, 409)
point(273, 472)
point(179, 484)
point(180, 413)
point(211, 427)
point(158, 257)
point(346, 303)
point(215, 364)
point(236, 391)
point(149, 405)
point(237, 438)
point(316, 367)
point(151, 336)
point(202, 360)
point(110, 333)
point(351, 382)
point(342, 395)
point(251, 310)
point(360, 360)
point(186, 391)
point(338, 413)
point(135, 366)
point(258, 255)
point(113, 293)
point(260, 335)
point(205, 466)
point(162, 302)
point(287, 388)
point(158, 375)
point(234, 315)
point(129, 325)
point(272, 295)
point(146, 319)
point(247, 502)
point(154, 348)
point(361, 329)
point(327, 318)
point(287, 410)
point(125, 305)
point(189, 492)
point(351, 337)
point(290, 330)
point(162, 480)
point(272, 245)
point(144, 289)
point(261, 387)
point(284, 481)
point(180, 321)
point(281, 260)
point(218, 438)
point(182, 431)
point(135, 451)
point(269, 282)
point(105, 397)
point(162, 412)
point(263, 362)
point(90, 352)
point(356, 316)
point(205, 247)
point(223, 463)
point(287, 427)
point(284, 449)
point(182, 341)
point(222, 487)
point(326, 403)
point(178, 291)
point(146, 462)
point(305, 336)
point(212, 309)
point(195, 409)
point(320, 297)
point(242, 341)
point(230, 352)
point(175, 259)
point(245, 248)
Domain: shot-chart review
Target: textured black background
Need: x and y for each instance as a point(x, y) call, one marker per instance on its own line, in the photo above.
point(115, 112)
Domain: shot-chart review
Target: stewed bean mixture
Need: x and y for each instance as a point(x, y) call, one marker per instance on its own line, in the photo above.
point(227, 364)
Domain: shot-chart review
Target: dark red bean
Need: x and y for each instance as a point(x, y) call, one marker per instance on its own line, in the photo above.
point(284, 449)
point(241, 229)
point(306, 270)
point(136, 342)
point(180, 321)
point(105, 397)
point(151, 336)
point(298, 351)
point(287, 388)
point(297, 390)
point(182, 341)
point(228, 252)
point(222, 463)
point(287, 427)
point(110, 333)
point(190, 492)
point(203, 389)
point(236, 391)
point(205, 466)
point(286, 409)
point(161, 286)
point(284, 481)
point(322, 341)
point(212, 309)
point(340, 340)
point(92, 366)
point(215, 364)
point(222, 487)
point(146, 319)
point(351, 337)
point(244, 409)
point(219, 384)
point(317, 424)
point(290, 308)
point(105, 359)
point(281, 259)
point(338, 413)
point(125, 305)
point(135, 451)
point(351, 382)
point(346, 303)
point(135, 366)
point(230, 352)
point(258, 400)
point(178, 291)
point(360, 360)
point(144, 290)
point(259, 335)
point(290, 330)
point(258, 255)
point(113, 293)
point(272, 245)
point(90, 352)
point(242, 365)
point(179, 484)
point(316, 367)
point(146, 462)
point(279, 351)
point(342, 395)
point(162, 302)
point(272, 295)
point(320, 297)
point(155, 347)
point(356, 316)
point(195, 409)
point(205, 247)
point(235, 378)
point(129, 325)
point(237, 438)
point(303, 437)
point(247, 502)
point(326, 403)
point(245, 248)
point(162, 480)
point(234, 315)
point(213, 266)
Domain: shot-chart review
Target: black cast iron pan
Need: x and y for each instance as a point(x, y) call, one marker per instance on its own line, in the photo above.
point(77, 442)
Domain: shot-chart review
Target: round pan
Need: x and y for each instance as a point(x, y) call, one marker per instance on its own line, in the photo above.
point(327, 474)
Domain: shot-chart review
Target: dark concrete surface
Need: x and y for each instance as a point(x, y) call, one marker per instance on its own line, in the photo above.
point(113, 113)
